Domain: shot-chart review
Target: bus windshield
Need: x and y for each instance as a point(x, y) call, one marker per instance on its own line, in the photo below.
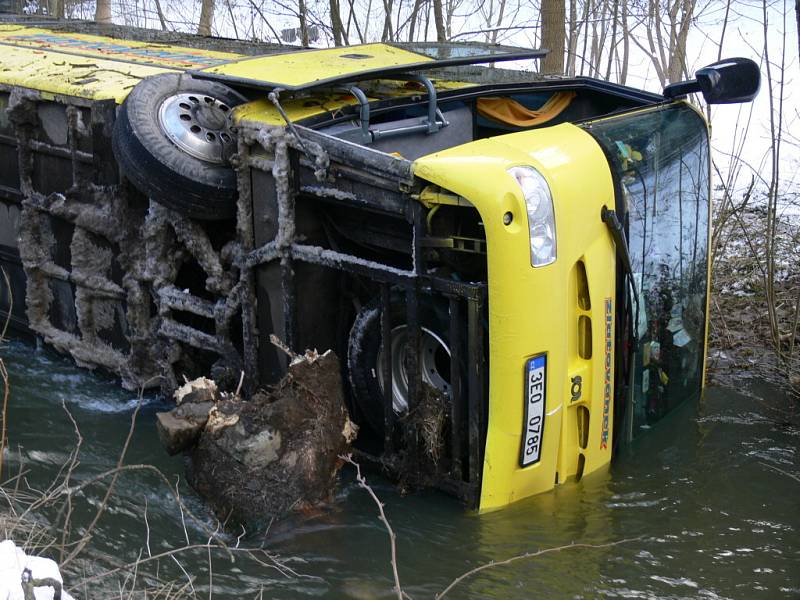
point(660, 161)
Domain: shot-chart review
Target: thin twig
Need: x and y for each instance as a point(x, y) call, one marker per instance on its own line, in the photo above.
point(3, 370)
point(210, 576)
point(180, 508)
point(110, 490)
point(362, 482)
point(188, 577)
point(3, 429)
point(779, 470)
point(152, 469)
point(147, 529)
point(10, 293)
point(251, 553)
point(274, 98)
point(278, 343)
point(239, 387)
point(72, 464)
point(507, 561)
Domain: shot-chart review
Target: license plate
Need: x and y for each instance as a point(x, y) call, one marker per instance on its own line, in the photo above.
point(535, 395)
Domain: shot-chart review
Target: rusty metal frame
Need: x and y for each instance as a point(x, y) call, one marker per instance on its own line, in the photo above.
point(151, 241)
point(312, 163)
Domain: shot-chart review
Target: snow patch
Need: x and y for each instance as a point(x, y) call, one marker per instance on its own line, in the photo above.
point(16, 567)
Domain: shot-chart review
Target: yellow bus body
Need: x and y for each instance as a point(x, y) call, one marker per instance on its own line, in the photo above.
point(536, 310)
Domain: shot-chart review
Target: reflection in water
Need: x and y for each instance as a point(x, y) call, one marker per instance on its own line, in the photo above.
point(572, 513)
point(714, 521)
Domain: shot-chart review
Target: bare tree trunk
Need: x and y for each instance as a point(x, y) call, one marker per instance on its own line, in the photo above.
point(303, 14)
point(664, 51)
point(488, 15)
point(163, 21)
point(572, 37)
point(206, 16)
point(336, 23)
point(613, 46)
point(349, 20)
point(412, 28)
point(592, 61)
point(776, 131)
point(626, 45)
point(354, 19)
point(438, 17)
point(654, 23)
point(499, 22)
point(367, 20)
point(725, 27)
point(585, 22)
point(449, 9)
point(57, 8)
point(398, 26)
point(679, 34)
point(599, 41)
point(669, 59)
point(102, 13)
point(260, 13)
point(388, 34)
point(230, 12)
point(554, 16)
point(427, 20)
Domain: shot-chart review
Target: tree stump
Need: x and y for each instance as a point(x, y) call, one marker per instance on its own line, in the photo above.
point(277, 452)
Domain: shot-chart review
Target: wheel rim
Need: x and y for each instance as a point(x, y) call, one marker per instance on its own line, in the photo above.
point(434, 361)
point(199, 125)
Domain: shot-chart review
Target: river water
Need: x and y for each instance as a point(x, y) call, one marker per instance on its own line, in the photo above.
point(708, 496)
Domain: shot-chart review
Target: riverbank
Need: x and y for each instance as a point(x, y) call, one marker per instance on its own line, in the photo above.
point(740, 338)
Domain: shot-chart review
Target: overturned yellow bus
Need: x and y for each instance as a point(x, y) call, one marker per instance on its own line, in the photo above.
point(514, 267)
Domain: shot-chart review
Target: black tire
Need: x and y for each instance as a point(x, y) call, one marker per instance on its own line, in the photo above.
point(158, 167)
point(364, 350)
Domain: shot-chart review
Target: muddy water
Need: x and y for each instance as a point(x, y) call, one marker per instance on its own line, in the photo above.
point(703, 493)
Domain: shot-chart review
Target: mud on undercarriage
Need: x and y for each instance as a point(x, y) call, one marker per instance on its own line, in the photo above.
point(130, 286)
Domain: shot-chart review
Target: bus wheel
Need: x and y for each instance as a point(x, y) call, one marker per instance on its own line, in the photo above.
point(366, 358)
point(173, 138)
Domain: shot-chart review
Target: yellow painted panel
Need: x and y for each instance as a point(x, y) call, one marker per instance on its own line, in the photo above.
point(96, 67)
point(534, 311)
point(70, 75)
point(306, 67)
point(262, 111)
point(147, 53)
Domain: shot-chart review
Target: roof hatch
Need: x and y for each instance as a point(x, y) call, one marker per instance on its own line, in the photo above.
point(314, 68)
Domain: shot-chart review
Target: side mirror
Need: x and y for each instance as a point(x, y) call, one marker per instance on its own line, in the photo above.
point(725, 82)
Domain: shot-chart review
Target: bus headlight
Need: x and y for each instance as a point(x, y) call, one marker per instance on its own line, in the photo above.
point(541, 218)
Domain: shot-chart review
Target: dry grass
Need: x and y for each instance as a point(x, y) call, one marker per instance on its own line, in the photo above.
point(41, 522)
